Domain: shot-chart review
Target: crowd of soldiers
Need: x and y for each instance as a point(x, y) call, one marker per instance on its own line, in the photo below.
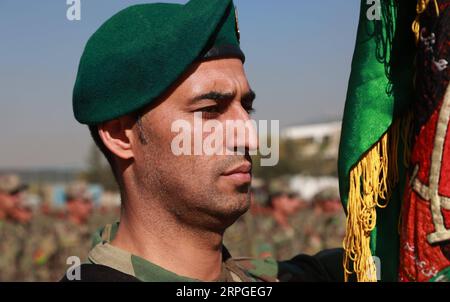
point(285, 225)
point(35, 243)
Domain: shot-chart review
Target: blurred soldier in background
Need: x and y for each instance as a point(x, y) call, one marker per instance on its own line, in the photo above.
point(301, 204)
point(275, 235)
point(288, 225)
point(55, 240)
point(79, 203)
point(14, 220)
point(325, 226)
point(266, 230)
point(283, 207)
point(10, 188)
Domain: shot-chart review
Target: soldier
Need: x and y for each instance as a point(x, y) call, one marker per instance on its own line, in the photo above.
point(148, 70)
point(13, 229)
point(10, 190)
point(55, 240)
point(78, 203)
point(275, 235)
point(325, 227)
point(301, 203)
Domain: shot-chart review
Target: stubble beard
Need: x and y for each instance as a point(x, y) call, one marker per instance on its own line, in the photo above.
point(199, 203)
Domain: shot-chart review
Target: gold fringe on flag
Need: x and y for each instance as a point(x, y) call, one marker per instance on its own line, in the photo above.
point(371, 181)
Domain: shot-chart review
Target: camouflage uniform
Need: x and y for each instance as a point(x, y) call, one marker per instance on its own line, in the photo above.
point(334, 230)
point(233, 270)
point(12, 234)
point(322, 231)
point(322, 267)
point(273, 240)
point(260, 235)
point(52, 242)
point(12, 238)
point(251, 236)
point(239, 237)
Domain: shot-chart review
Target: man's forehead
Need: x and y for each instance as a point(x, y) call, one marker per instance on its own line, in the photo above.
point(217, 74)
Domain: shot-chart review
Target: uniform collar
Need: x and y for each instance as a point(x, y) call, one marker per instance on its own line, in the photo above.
point(106, 254)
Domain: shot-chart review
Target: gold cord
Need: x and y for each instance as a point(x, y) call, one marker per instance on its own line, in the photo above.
point(422, 6)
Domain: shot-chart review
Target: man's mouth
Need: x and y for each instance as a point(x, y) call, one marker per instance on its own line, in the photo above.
point(241, 173)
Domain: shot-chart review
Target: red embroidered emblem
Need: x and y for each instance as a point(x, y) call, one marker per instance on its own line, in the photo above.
point(425, 233)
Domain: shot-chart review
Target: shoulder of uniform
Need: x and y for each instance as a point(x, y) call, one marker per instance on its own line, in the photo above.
point(262, 269)
point(325, 266)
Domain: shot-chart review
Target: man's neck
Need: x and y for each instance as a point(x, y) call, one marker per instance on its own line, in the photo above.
point(163, 241)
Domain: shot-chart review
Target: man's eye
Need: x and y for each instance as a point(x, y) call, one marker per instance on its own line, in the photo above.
point(210, 109)
point(210, 112)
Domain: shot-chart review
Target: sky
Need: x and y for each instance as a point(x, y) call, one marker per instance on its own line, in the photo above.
point(298, 62)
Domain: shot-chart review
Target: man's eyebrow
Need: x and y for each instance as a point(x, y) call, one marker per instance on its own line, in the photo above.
point(215, 95)
point(224, 96)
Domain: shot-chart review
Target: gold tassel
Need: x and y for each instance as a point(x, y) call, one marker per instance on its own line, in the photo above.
point(422, 6)
point(371, 180)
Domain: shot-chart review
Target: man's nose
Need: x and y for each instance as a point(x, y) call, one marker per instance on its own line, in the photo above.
point(241, 131)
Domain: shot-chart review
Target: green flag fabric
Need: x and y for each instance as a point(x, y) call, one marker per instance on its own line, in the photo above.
point(379, 91)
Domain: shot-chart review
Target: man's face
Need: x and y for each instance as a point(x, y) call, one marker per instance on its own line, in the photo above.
point(81, 208)
point(286, 205)
point(14, 209)
point(331, 206)
point(202, 190)
point(22, 215)
point(297, 203)
point(8, 202)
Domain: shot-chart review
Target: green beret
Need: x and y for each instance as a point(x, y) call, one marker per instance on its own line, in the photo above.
point(135, 56)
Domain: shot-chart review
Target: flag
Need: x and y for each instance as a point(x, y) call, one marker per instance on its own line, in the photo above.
point(374, 139)
point(425, 230)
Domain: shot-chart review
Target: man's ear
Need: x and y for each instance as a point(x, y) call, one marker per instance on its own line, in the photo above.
point(117, 136)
